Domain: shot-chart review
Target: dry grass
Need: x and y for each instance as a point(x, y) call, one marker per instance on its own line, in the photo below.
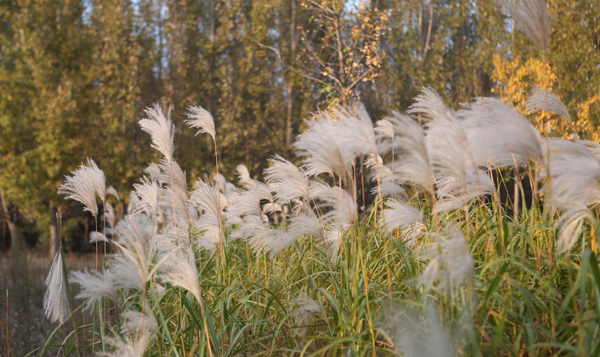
point(22, 289)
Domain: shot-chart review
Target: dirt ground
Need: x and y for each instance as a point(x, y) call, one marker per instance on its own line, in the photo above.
point(24, 329)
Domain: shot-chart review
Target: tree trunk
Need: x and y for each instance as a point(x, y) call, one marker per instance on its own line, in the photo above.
point(54, 239)
point(17, 242)
point(290, 88)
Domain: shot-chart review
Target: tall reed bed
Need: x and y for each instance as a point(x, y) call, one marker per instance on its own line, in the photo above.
point(439, 265)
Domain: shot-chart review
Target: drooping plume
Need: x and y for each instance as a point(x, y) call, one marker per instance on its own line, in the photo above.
point(56, 300)
point(161, 130)
point(83, 186)
point(543, 99)
point(532, 19)
point(202, 120)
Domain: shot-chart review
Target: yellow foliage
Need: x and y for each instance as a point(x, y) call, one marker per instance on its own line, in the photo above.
point(516, 77)
point(515, 80)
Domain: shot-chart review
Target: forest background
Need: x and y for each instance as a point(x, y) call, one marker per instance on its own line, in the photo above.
point(75, 77)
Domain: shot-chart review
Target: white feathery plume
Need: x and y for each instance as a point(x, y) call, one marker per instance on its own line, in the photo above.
point(384, 128)
point(167, 168)
point(179, 269)
point(135, 321)
point(305, 224)
point(450, 261)
point(532, 19)
point(543, 99)
point(413, 163)
point(452, 195)
point(206, 197)
point(208, 226)
point(428, 102)
point(137, 241)
point(153, 170)
point(113, 191)
point(399, 214)
point(110, 216)
point(333, 141)
point(570, 226)
point(244, 177)
point(575, 174)
point(286, 180)
point(448, 148)
point(97, 237)
point(126, 274)
point(82, 187)
point(411, 232)
point(98, 178)
point(249, 202)
point(305, 311)
point(56, 300)
point(593, 147)
point(388, 186)
point(334, 238)
point(498, 135)
point(342, 206)
point(126, 347)
point(271, 241)
point(161, 130)
point(202, 120)
point(94, 286)
point(149, 193)
point(179, 198)
point(252, 225)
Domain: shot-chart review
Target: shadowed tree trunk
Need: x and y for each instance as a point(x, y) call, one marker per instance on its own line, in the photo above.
point(17, 242)
point(54, 240)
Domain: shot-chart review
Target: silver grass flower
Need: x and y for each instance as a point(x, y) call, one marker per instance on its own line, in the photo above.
point(305, 312)
point(206, 197)
point(450, 261)
point(543, 99)
point(334, 238)
point(136, 321)
point(388, 185)
point(305, 225)
point(244, 177)
point(149, 193)
point(249, 202)
point(82, 187)
point(179, 198)
point(428, 102)
point(271, 241)
point(209, 234)
point(384, 128)
point(593, 147)
point(202, 120)
point(56, 300)
point(412, 232)
point(179, 269)
point(110, 217)
point(498, 135)
point(154, 171)
point(286, 180)
point(172, 170)
point(137, 240)
point(113, 192)
point(341, 204)
point(452, 195)
point(126, 272)
point(98, 178)
point(570, 225)
point(575, 174)
point(412, 164)
point(399, 214)
point(97, 237)
point(161, 130)
point(127, 347)
point(532, 19)
point(94, 286)
point(334, 140)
